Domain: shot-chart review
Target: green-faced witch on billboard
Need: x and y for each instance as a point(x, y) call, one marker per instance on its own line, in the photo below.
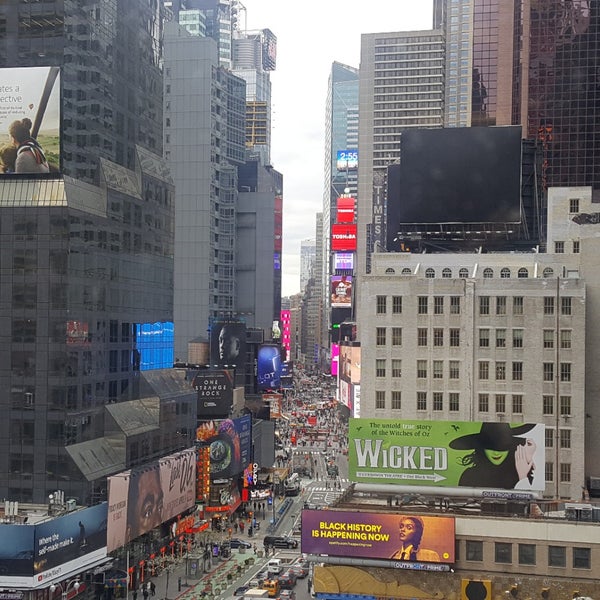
point(502, 456)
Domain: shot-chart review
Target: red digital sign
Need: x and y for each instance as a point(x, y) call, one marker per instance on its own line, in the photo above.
point(343, 237)
point(345, 210)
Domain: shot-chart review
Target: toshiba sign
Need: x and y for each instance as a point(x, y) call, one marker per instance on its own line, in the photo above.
point(343, 237)
point(345, 210)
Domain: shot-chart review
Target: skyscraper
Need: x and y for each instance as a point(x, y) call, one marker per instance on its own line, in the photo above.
point(86, 253)
point(414, 101)
point(204, 144)
point(529, 64)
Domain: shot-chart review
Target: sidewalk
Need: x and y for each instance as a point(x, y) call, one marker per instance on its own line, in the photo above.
point(213, 584)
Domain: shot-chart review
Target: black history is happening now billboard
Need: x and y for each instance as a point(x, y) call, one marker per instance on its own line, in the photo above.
point(142, 498)
point(29, 103)
point(497, 456)
point(397, 536)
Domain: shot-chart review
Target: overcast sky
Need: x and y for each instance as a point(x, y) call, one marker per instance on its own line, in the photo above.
point(311, 35)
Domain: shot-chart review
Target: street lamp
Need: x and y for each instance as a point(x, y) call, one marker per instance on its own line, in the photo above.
point(64, 590)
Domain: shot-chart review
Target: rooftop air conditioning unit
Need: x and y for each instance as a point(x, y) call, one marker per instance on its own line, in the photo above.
point(71, 504)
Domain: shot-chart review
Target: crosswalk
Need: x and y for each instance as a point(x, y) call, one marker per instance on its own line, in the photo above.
point(321, 487)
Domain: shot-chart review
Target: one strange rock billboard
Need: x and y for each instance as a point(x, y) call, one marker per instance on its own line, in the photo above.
point(497, 456)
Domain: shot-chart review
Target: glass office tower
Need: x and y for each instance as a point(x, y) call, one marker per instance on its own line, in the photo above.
point(86, 253)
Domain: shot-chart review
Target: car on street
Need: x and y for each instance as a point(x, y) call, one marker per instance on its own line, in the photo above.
point(302, 471)
point(287, 580)
point(280, 541)
point(300, 569)
point(287, 595)
point(240, 591)
point(238, 543)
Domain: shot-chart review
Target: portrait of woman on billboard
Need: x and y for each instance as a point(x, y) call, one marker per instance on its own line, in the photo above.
point(499, 456)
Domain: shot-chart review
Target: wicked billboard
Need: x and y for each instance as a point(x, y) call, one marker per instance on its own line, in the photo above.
point(376, 535)
point(142, 498)
point(447, 454)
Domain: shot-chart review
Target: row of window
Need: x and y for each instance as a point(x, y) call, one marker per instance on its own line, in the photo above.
point(437, 369)
point(500, 334)
point(488, 272)
point(485, 335)
point(437, 337)
point(559, 247)
point(437, 400)
point(484, 402)
point(500, 368)
point(500, 304)
point(517, 404)
point(527, 554)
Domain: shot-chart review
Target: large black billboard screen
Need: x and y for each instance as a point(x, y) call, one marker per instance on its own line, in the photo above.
point(461, 175)
point(29, 120)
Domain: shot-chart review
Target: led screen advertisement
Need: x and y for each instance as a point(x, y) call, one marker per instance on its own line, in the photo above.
point(268, 367)
point(347, 160)
point(227, 343)
point(33, 554)
point(345, 210)
point(29, 120)
point(343, 237)
point(16, 555)
point(335, 359)
point(341, 291)
point(230, 443)
point(73, 540)
point(350, 363)
point(507, 456)
point(141, 499)
point(397, 536)
point(475, 178)
point(343, 260)
point(215, 392)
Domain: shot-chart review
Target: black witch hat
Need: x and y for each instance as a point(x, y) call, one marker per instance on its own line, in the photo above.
point(492, 436)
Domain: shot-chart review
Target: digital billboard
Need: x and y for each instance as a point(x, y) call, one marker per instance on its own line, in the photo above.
point(345, 212)
point(73, 540)
point(341, 291)
point(447, 454)
point(343, 260)
point(456, 175)
point(215, 392)
point(230, 443)
point(268, 367)
point(227, 343)
point(402, 537)
point(274, 401)
point(142, 498)
point(16, 555)
point(343, 237)
point(33, 554)
point(350, 363)
point(30, 120)
point(335, 359)
point(347, 160)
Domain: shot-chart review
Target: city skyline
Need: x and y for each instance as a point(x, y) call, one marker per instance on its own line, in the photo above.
point(301, 117)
